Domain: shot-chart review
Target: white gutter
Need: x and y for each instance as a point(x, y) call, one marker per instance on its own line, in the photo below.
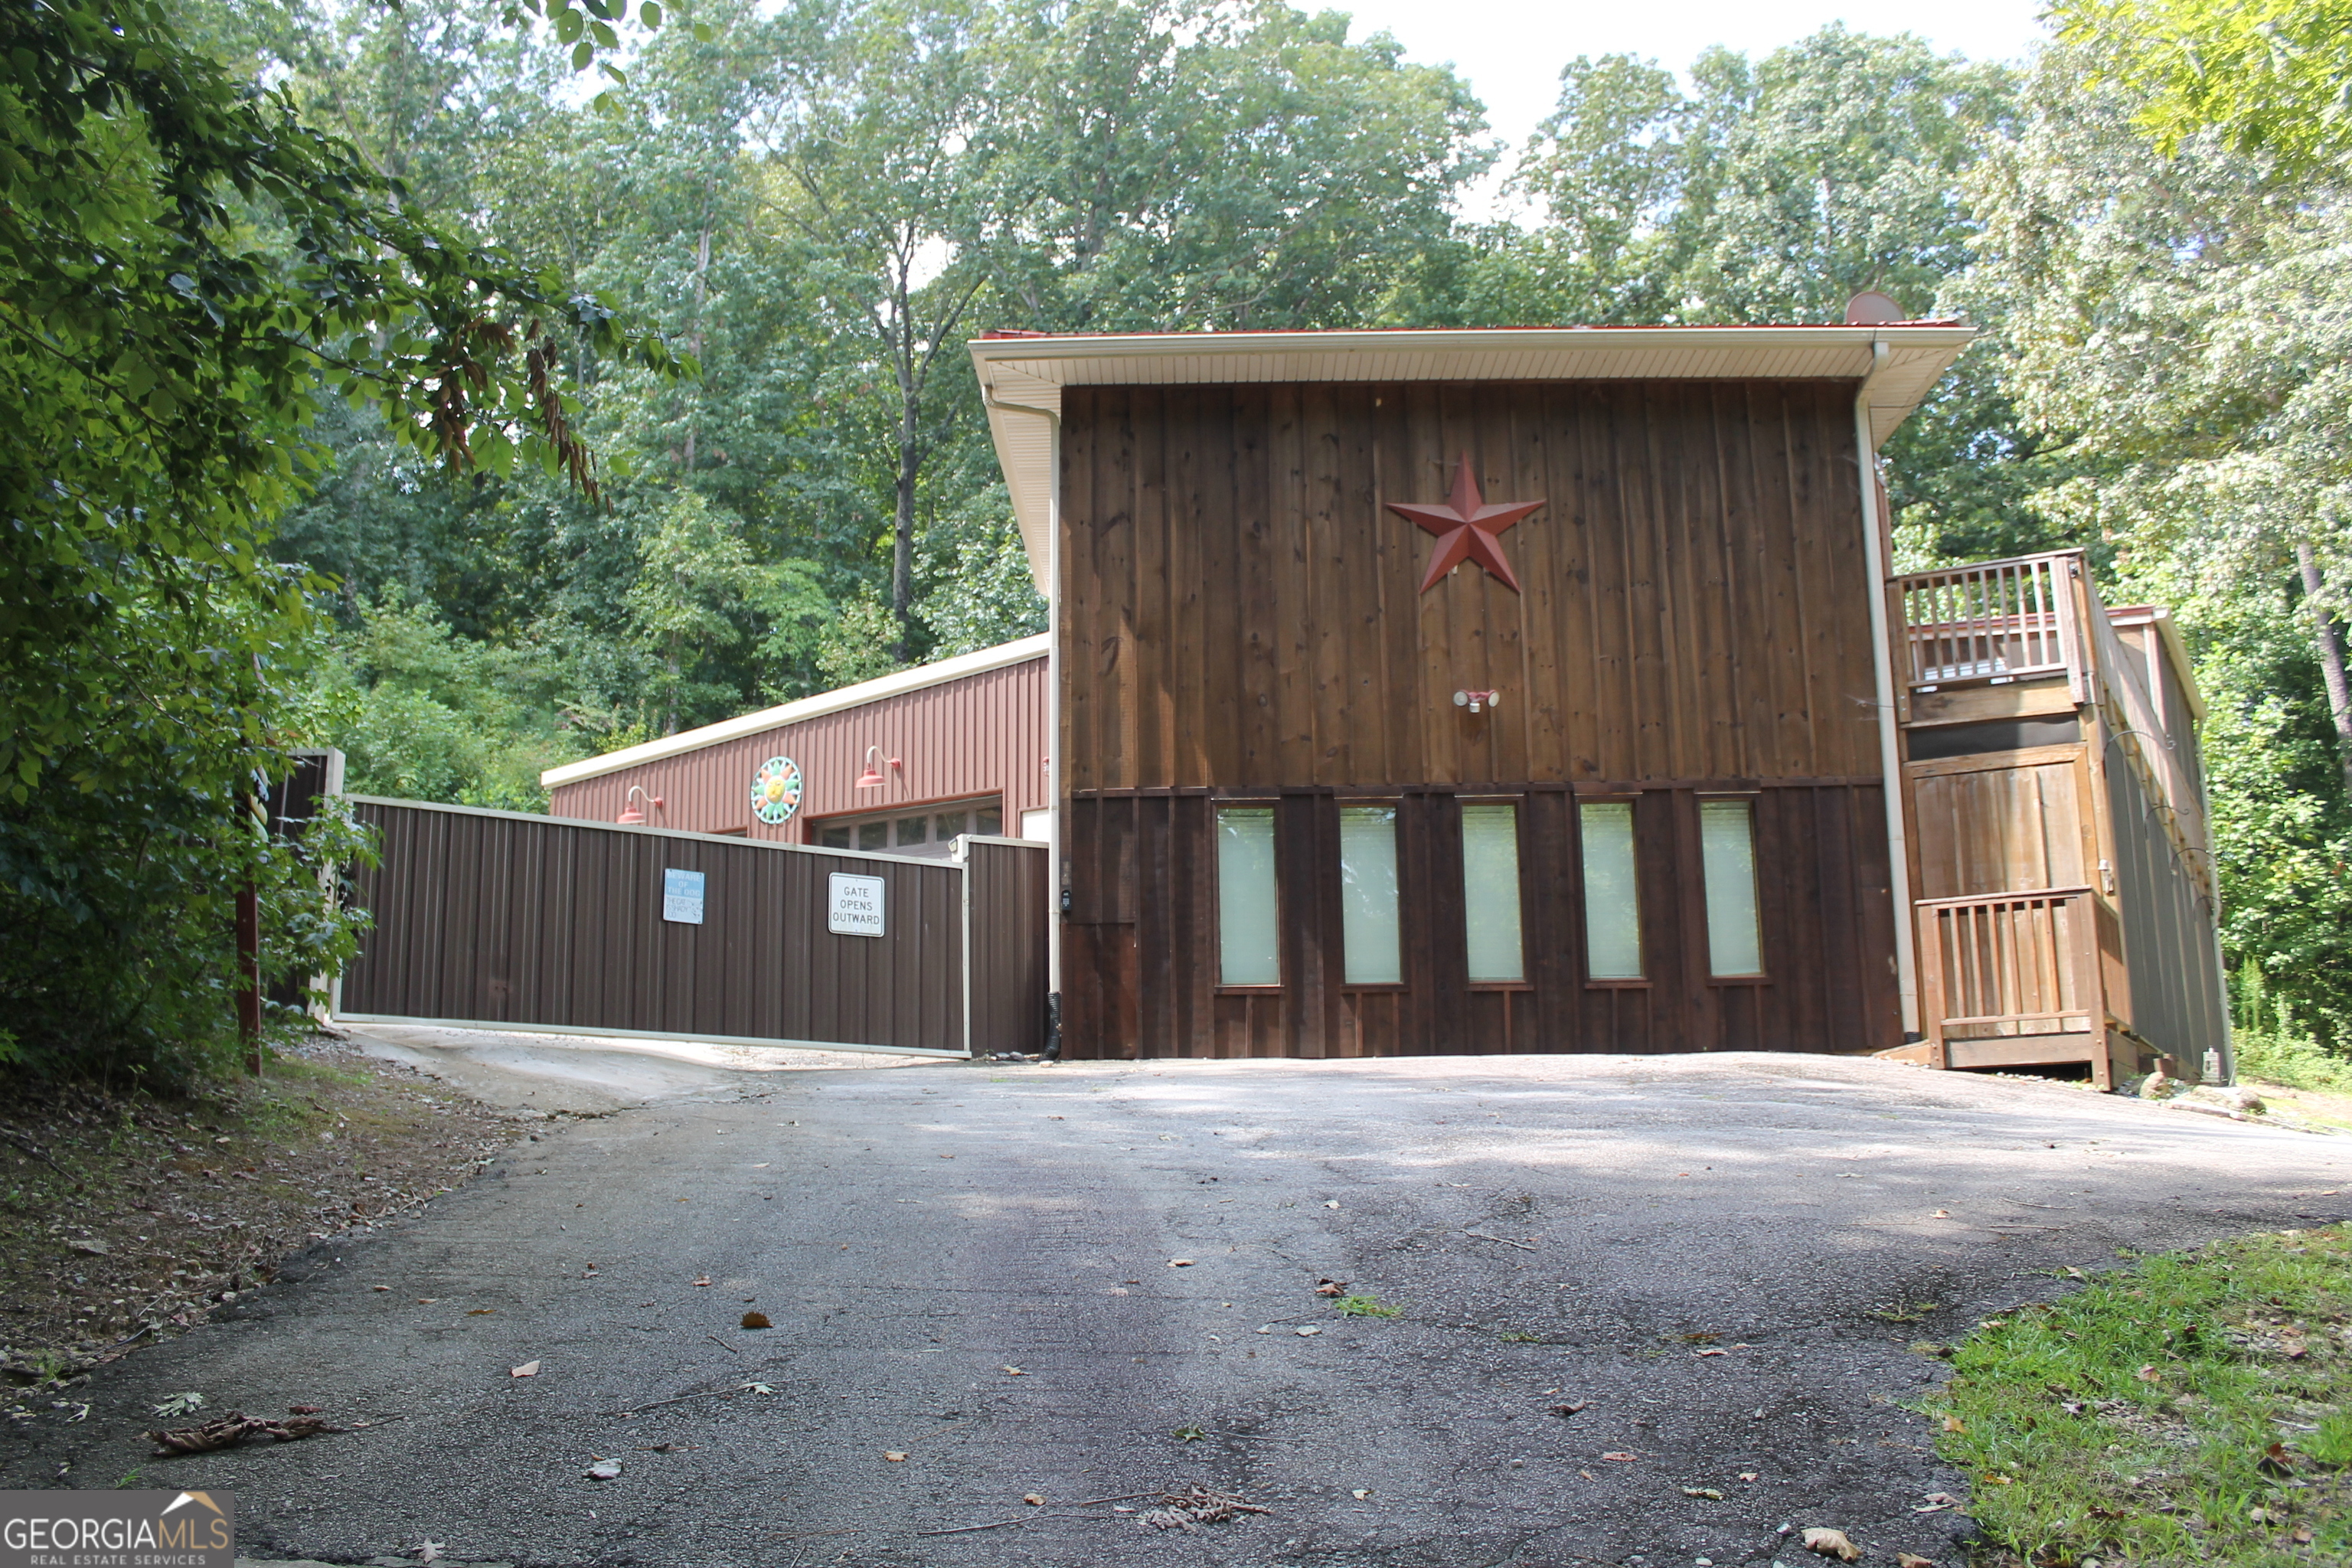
point(1057, 879)
point(1890, 753)
point(824, 702)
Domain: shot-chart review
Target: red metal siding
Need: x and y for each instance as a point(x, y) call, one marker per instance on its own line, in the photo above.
point(981, 734)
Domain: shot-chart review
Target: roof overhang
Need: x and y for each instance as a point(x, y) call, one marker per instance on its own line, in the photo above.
point(816, 707)
point(1022, 378)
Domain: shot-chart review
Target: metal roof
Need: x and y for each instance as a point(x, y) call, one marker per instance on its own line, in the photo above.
point(1022, 377)
point(824, 702)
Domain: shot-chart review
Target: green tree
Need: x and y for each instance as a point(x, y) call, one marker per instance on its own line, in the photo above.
point(1174, 164)
point(2182, 322)
point(185, 267)
point(2271, 76)
point(876, 168)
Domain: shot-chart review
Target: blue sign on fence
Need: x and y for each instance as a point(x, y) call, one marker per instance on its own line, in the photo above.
point(682, 895)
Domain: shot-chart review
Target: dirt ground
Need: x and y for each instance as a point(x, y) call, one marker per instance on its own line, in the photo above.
point(126, 1218)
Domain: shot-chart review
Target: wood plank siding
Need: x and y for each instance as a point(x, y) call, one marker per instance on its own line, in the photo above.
point(1240, 620)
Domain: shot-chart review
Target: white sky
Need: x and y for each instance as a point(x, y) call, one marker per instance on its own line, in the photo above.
point(1510, 52)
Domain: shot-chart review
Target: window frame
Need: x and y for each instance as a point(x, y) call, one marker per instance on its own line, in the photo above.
point(1396, 845)
point(1273, 807)
point(851, 821)
point(1749, 798)
point(1643, 945)
point(1518, 804)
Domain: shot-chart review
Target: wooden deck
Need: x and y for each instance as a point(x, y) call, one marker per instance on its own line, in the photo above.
point(2058, 823)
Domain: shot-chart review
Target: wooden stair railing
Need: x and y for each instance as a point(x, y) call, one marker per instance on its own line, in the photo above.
point(2008, 979)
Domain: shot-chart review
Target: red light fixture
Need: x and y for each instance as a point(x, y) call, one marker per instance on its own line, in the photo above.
point(631, 815)
point(872, 777)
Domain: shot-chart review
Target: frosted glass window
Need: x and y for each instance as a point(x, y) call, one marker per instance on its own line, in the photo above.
point(1367, 895)
point(1727, 836)
point(1490, 891)
point(1247, 950)
point(1612, 900)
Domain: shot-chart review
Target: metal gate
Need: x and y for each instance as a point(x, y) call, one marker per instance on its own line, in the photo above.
point(507, 921)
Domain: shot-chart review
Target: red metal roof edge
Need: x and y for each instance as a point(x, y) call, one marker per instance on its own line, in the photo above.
point(1001, 334)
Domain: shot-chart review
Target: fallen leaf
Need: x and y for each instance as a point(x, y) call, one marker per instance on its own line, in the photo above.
point(604, 1470)
point(1703, 1492)
point(1913, 1559)
point(2277, 1461)
point(379, 1287)
point(1308, 1331)
point(1954, 1423)
point(1331, 1203)
point(528, 1369)
point(429, 1551)
point(1748, 1475)
point(1830, 1543)
point(429, 1300)
point(1034, 1500)
point(1330, 1287)
point(702, 1280)
point(175, 1405)
point(762, 1165)
point(228, 1431)
point(1709, 1352)
point(1363, 1492)
point(1564, 1411)
point(1622, 1458)
point(757, 1321)
point(1180, 1263)
point(2148, 1375)
point(947, 1156)
point(1941, 1214)
point(1187, 1433)
point(2302, 1536)
point(759, 1388)
point(483, 1312)
point(304, 1409)
point(1011, 1371)
point(894, 1456)
point(89, 1246)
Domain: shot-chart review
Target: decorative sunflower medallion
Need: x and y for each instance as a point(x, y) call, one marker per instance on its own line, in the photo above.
point(776, 790)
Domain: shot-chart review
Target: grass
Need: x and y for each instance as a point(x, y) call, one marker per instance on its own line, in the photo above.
point(1364, 1307)
point(2291, 1059)
point(2193, 1408)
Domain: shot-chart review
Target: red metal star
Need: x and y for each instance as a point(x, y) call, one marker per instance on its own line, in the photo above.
point(1466, 527)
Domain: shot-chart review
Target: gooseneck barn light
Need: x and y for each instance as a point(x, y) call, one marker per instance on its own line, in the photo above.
point(872, 777)
point(632, 816)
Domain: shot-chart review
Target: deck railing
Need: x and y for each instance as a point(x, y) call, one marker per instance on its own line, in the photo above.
point(1994, 622)
point(2016, 978)
point(2040, 616)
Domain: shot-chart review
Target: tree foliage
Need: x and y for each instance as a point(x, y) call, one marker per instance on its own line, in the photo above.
point(2270, 77)
point(191, 270)
point(308, 377)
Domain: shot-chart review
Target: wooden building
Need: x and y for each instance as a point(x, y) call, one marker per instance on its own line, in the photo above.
point(1484, 691)
point(899, 765)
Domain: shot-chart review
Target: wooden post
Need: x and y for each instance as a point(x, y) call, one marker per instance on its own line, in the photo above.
point(248, 965)
point(248, 977)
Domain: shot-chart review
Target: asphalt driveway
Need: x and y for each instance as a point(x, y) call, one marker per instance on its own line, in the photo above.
point(1092, 1282)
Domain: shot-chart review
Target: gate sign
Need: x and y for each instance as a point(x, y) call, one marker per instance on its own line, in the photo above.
point(682, 895)
point(855, 908)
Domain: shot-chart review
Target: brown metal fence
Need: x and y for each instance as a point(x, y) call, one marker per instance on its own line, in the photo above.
point(501, 920)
